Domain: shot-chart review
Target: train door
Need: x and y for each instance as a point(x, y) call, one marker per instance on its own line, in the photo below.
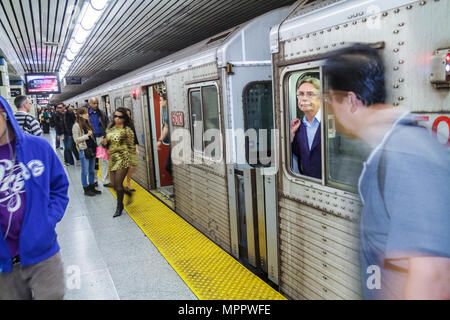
point(158, 113)
point(104, 101)
point(255, 183)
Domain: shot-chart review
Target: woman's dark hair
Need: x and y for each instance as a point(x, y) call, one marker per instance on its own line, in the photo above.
point(126, 118)
point(84, 124)
point(360, 69)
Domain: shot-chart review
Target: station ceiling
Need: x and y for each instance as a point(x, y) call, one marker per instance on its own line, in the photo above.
point(128, 35)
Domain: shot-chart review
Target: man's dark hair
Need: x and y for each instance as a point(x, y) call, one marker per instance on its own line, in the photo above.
point(18, 101)
point(360, 69)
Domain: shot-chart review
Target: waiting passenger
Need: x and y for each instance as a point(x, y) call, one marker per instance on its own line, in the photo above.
point(58, 120)
point(305, 133)
point(99, 123)
point(133, 155)
point(404, 186)
point(33, 200)
point(26, 121)
point(69, 121)
point(120, 143)
point(83, 135)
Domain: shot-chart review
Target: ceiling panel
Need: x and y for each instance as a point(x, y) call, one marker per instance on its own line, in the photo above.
point(129, 34)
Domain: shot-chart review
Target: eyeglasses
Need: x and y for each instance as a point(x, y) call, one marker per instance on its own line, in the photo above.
point(120, 117)
point(308, 94)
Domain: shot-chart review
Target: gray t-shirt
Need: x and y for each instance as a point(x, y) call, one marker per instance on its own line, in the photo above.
point(406, 195)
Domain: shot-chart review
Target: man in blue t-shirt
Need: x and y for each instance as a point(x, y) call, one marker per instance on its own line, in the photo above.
point(404, 185)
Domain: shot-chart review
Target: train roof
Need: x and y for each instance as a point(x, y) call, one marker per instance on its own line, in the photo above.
point(323, 14)
point(211, 50)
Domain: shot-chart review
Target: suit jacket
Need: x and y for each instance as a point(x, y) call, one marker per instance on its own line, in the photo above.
point(309, 161)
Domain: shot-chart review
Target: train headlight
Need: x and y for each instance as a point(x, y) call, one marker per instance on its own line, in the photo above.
point(440, 68)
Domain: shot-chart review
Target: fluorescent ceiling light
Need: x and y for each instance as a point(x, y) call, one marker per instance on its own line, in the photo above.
point(90, 18)
point(99, 4)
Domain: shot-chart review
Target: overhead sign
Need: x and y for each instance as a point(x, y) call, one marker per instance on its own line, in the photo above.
point(178, 119)
point(73, 81)
point(15, 92)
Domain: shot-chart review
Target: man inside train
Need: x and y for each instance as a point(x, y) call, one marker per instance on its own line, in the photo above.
point(405, 221)
point(165, 133)
point(305, 133)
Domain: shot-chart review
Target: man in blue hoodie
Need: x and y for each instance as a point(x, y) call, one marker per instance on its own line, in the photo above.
point(33, 198)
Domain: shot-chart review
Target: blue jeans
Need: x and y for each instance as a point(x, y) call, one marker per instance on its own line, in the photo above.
point(68, 145)
point(87, 169)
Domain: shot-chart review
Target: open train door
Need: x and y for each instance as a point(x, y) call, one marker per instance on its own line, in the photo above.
point(158, 115)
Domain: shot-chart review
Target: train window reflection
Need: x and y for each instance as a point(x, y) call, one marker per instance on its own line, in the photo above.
point(204, 109)
point(196, 119)
point(258, 115)
point(304, 126)
point(344, 153)
point(117, 103)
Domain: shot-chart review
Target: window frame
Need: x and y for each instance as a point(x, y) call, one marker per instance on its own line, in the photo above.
point(131, 108)
point(115, 102)
point(199, 86)
point(285, 125)
point(244, 107)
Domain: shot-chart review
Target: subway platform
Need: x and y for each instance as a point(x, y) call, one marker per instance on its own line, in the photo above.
point(106, 258)
point(147, 253)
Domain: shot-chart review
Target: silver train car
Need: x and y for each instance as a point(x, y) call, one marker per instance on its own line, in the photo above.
point(248, 196)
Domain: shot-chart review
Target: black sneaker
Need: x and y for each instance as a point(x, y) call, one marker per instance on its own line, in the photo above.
point(108, 185)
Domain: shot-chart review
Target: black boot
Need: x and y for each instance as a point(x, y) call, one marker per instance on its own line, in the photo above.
point(119, 208)
point(92, 188)
point(88, 192)
point(130, 196)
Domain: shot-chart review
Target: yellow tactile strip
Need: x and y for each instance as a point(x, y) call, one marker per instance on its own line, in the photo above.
point(209, 271)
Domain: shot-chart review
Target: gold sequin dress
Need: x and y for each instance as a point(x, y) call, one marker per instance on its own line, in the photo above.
point(121, 147)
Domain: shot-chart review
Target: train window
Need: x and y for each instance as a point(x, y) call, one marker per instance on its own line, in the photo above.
point(117, 103)
point(344, 153)
point(204, 109)
point(258, 115)
point(196, 120)
point(304, 122)
point(128, 103)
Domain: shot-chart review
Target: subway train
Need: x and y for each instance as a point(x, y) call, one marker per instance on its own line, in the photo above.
point(301, 233)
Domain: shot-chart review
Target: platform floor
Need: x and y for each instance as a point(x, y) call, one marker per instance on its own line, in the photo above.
point(115, 258)
point(149, 252)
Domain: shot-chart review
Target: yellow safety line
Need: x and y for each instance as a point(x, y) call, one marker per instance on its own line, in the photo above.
point(209, 271)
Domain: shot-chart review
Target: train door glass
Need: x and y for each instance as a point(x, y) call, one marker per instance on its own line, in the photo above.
point(303, 125)
point(205, 118)
point(164, 184)
point(258, 115)
point(128, 103)
point(117, 103)
point(105, 100)
point(344, 153)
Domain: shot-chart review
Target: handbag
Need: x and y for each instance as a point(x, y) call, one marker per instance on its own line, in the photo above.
point(102, 153)
point(90, 151)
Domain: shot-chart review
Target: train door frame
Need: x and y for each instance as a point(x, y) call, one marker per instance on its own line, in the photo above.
point(105, 99)
point(153, 138)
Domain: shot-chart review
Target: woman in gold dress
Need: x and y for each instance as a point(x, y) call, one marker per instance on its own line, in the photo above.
point(120, 143)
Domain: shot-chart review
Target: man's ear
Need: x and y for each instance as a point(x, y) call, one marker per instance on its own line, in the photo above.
point(354, 101)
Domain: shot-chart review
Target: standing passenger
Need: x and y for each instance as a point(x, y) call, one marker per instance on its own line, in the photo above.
point(69, 120)
point(84, 137)
point(120, 143)
point(26, 121)
point(58, 120)
point(33, 200)
point(404, 186)
point(99, 122)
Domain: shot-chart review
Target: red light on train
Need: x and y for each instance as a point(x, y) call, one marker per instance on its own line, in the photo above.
point(135, 94)
point(447, 58)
